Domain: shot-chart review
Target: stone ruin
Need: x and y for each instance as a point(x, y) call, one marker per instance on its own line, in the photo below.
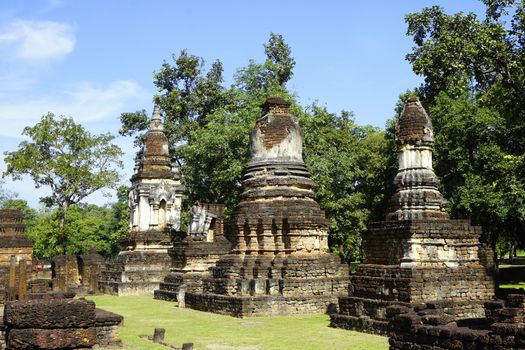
point(155, 202)
point(56, 321)
point(34, 317)
point(206, 221)
point(78, 273)
point(436, 326)
point(279, 262)
point(193, 254)
point(15, 250)
point(418, 254)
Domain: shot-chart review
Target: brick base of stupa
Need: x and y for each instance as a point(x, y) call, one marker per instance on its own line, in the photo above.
point(190, 263)
point(416, 262)
point(140, 268)
point(244, 285)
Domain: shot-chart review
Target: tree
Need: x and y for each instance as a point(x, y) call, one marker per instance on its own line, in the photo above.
point(68, 159)
point(187, 95)
point(5, 194)
point(119, 220)
point(348, 163)
point(268, 79)
point(474, 90)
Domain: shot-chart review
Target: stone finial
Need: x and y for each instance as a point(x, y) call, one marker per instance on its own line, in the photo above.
point(276, 105)
point(156, 120)
point(156, 143)
point(414, 125)
point(417, 196)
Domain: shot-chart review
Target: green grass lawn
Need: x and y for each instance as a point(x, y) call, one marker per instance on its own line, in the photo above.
point(217, 332)
point(513, 285)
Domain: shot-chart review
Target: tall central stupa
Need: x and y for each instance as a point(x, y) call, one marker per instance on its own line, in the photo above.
point(279, 263)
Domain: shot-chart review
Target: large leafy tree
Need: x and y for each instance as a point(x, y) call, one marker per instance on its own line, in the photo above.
point(348, 163)
point(88, 226)
point(73, 163)
point(475, 91)
point(187, 95)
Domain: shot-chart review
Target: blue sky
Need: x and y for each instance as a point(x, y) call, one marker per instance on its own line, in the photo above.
point(93, 60)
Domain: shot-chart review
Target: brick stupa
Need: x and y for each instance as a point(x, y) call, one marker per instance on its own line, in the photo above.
point(155, 206)
point(418, 254)
point(279, 262)
point(13, 245)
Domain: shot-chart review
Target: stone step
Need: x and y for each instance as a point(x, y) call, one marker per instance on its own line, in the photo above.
point(167, 295)
point(170, 287)
point(173, 279)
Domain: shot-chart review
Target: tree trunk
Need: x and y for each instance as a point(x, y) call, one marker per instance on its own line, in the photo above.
point(62, 242)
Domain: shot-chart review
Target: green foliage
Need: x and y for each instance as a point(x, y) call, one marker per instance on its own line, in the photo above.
point(214, 161)
point(187, 95)
point(475, 92)
point(88, 226)
point(69, 160)
point(481, 179)
point(347, 162)
point(119, 219)
point(279, 61)
point(5, 194)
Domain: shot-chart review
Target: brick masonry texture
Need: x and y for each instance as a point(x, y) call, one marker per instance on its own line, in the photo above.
point(417, 254)
point(436, 326)
point(12, 243)
point(279, 262)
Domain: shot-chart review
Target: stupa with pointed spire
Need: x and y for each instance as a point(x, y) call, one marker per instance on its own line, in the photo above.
point(155, 207)
point(418, 254)
point(417, 196)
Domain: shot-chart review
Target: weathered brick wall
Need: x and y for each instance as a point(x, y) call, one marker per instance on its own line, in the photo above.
point(106, 324)
point(445, 261)
point(435, 241)
point(50, 324)
point(56, 321)
point(422, 284)
point(190, 263)
point(436, 326)
point(12, 243)
point(135, 273)
point(263, 305)
point(90, 268)
point(65, 273)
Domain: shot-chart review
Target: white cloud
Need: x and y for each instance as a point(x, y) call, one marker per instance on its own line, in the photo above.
point(96, 107)
point(85, 102)
point(38, 40)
